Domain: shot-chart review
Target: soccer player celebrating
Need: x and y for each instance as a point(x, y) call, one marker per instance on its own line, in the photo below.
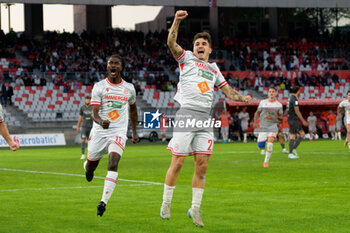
point(345, 106)
point(195, 95)
point(85, 122)
point(5, 133)
point(110, 100)
point(270, 112)
point(294, 115)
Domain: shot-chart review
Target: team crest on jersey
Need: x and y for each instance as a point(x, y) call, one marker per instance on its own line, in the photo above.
point(126, 91)
point(107, 90)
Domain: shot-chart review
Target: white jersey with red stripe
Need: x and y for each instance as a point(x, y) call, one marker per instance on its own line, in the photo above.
point(197, 80)
point(345, 104)
point(113, 99)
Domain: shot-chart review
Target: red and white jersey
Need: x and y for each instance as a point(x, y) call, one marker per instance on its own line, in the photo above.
point(113, 100)
point(345, 104)
point(269, 112)
point(197, 80)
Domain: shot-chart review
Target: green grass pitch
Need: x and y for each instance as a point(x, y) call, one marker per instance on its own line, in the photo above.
point(310, 194)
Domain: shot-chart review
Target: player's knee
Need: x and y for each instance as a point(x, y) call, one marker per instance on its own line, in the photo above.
point(113, 161)
point(177, 165)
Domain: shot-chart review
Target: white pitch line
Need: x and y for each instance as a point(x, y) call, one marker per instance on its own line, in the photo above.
point(302, 152)
point(77, 175)
point(62, 188)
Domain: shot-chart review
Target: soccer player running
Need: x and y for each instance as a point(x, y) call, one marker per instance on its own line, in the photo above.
point(345, 106)
point(5, 133)
point(85, 122)
point(270, 112)
point(195, 95)
point(294, 115)
point(110, 100)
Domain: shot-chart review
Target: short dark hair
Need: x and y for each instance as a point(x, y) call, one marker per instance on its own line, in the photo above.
point(348, 92)
point(295, 89)
point(204, 35)
point(87, 97)
point(272, 88)
point(120, 59)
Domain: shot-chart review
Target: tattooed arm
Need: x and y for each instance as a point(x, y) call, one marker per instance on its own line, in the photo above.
point(235, 95)
point(175, 49)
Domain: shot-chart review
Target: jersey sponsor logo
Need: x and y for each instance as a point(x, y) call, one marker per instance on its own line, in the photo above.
point(113, 115)
point(205, 74)
point(116, 97)
point(203, 87)
point(107, 89)
point(114, 104)
point(201, 65)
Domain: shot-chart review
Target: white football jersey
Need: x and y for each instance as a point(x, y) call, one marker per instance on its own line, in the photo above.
point(113, 100)
point(1, 114)
point(197, 79)
point(345, 104)
point(268, 112)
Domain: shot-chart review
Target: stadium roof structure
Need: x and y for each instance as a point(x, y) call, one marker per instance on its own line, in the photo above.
point(201, 3)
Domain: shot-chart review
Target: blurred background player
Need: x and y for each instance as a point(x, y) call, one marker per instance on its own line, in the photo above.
point(332, 119)
point(270, 112)
point(294, 115)
point(345, 107)
point(244, 117)
point(312, 119)
point(285, 128)
point(195, 96)
point(163, 126)
point(111, 99)
point(225, 122)
point(338, 127)
point(84, 123)
point(5, 133)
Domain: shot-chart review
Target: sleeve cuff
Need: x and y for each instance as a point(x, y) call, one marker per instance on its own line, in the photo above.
point(221, 85)
point(181, 55)
point(95, 103)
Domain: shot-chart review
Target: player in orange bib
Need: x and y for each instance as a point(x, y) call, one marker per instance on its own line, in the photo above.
point(225, 122)
point(332, 120)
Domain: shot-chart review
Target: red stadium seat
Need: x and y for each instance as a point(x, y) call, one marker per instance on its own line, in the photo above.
point(70, 94)
point(59, 95)
point(156, 95)
point(58, 102)
point(18, 99)
point(29, 103)
point(25, 95)
point(81, 94)
point(51, 106)
point(48, 95)
point(32, 92)
point(170, 104)
point(42, 98)
point(39, 88)
point(56, 87)
point(28, 88)
point(66, 99)
point(16, 88)
point(76, 102)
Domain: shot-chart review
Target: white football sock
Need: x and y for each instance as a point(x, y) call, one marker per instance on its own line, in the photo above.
point(197, 194)
point(268, 153)
point(168, 194)
point(110, 183)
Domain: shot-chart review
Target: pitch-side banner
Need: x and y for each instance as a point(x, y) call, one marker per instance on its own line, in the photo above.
point(36, 140)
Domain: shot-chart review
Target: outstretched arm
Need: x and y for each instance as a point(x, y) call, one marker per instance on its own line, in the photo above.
point(175, 49)
point(6, 135)
point(235, 95)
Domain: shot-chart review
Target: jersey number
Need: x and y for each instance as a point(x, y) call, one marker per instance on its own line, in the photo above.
point(210, 147)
